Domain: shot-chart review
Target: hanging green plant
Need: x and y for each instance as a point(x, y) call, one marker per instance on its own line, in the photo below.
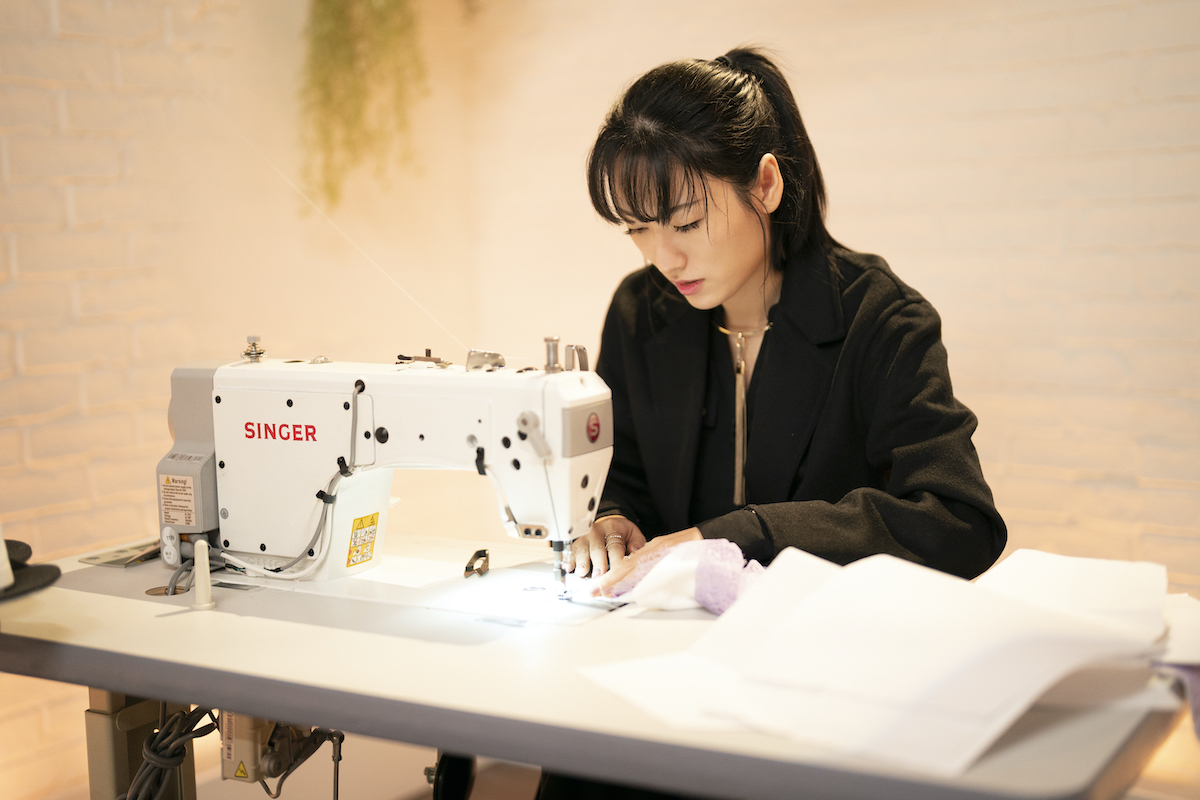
point(362, 73)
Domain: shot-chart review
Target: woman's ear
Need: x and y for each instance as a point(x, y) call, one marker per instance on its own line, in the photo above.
point(768, 187)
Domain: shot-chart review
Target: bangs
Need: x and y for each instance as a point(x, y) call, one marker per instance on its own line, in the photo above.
point(637, 185)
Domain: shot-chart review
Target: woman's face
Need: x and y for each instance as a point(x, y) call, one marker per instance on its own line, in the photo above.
point(713, 249)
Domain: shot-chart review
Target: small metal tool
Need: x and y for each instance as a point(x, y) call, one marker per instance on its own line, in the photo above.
point(478, 565)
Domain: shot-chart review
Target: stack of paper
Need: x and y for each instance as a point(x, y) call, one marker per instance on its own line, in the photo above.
point(888, 660)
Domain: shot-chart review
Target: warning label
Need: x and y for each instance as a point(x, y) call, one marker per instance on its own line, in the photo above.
point(177, 497)
point(241, 770)
point(362, 540)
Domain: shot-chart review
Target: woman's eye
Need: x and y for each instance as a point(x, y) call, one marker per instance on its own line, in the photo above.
point(691, 226)
point(633, 231)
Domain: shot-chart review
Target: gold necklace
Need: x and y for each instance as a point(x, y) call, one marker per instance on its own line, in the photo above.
point(739, 419)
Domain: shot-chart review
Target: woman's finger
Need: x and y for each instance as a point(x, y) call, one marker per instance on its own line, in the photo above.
point(604, 586)
point(636, 541)
point(598, 553)
point(581, 562)
point(614, 544)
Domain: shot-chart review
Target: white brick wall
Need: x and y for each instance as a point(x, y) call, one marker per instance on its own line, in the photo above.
point(1033, 167)
point(143, 225)
point(82, 84)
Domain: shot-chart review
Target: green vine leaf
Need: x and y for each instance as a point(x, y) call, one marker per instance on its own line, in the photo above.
point(362, 74)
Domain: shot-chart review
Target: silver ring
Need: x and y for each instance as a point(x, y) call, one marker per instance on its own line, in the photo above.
point(609, 538)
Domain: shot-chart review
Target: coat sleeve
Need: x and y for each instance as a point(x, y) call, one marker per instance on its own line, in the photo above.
point(626, 490)
point(929, 501)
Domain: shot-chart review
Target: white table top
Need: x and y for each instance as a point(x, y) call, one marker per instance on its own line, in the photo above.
point(469, 685)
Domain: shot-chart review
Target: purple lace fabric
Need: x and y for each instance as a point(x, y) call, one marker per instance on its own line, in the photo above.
point(722, 573)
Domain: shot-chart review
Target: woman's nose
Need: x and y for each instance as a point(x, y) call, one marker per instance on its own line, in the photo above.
point(667, 254)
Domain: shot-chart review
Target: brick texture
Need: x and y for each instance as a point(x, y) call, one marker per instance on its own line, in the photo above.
point(8, 363)
point(119, 22)
point(45, 158)
point(25, 109)
point(12, 449)
point(56, 64)
point(26, 399)
point(74, 349)
point(123, 207)
point(67, 256)
point(24, 17)
point(25, 305)
point(127, 389)
point(126, 299)
point(106, 113)
point(31, 208)
point(79, 438)
point(31, 494)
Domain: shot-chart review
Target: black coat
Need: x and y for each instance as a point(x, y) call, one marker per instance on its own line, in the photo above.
point(858, 445)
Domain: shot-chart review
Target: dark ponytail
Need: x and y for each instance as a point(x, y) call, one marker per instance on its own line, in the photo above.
point(690, 120)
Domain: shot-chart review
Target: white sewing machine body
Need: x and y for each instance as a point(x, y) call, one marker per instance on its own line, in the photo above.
point(258, 439)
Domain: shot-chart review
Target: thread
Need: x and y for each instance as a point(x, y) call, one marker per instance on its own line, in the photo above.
point(335, 226)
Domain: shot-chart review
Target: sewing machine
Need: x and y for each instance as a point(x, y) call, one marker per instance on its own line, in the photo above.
point(285, 466)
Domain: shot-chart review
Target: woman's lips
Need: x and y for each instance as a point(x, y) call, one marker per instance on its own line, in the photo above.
point(688, 287)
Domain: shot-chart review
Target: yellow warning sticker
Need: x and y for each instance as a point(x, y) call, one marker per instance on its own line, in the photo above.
point(241, 770)
point(362, 540)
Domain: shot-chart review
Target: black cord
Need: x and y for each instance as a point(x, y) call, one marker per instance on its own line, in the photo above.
point(164, 750)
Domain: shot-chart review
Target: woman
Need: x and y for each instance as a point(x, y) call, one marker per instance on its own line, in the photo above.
point(770, 387)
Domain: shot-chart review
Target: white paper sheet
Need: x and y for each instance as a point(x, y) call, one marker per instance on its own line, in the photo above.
point(888, 660)
point(1123, 592)
point(1183, 641)
point(792, 576)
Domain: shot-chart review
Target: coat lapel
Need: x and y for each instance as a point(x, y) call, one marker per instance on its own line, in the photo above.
point(677, 358)
point(793, 379)
point(808, 326)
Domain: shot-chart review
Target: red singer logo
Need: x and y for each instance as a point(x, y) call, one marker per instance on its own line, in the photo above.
point(284, 431)
point(593, 427)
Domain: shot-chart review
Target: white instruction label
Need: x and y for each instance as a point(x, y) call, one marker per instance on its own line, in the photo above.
point(177, 497)
point(227, 730)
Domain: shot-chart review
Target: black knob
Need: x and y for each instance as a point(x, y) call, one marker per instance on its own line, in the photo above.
point(381, 435)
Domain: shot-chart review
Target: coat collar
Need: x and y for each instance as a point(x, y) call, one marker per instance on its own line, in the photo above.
point(810, 299)
point(788, 398)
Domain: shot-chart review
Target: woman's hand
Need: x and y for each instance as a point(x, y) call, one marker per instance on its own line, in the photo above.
point(607, 542)
point(652, 551)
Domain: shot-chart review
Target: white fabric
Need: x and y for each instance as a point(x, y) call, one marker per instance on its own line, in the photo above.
point(670, 585)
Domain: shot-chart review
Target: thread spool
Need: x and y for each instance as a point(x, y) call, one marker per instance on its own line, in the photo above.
point(203, 583)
